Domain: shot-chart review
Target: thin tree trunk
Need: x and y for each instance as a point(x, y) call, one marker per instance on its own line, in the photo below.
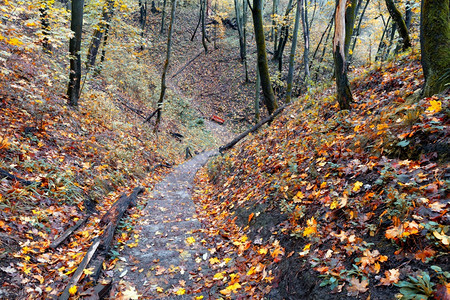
point(98, 33)
point(344, 95)
point(204, 36)
point(290, 76)
point(382, 44)
point(313, 14)
point(76, 26)
point(257, 95)
point(408, 14)
point(305, 26)
point(105, 43)
point(166, 65)
point(402, 29)
point(45, 24)
point(244, 26)
point(240, 29)
point(435, 45)
point(274, 24)
point(284, 34)
point(349, 25)
point(199, 21)
point(269, 97)
point(358, 29)
point(163, 16)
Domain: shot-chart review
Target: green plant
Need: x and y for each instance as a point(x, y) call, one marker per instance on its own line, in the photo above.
point(416, 288)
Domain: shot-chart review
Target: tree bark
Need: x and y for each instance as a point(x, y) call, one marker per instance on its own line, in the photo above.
point(408, 14)
point(98, 33)
point(269, 97)
point(163, 16)
point(398, 19)
point(45, 24)
point(166, 65)
point(290, 77)
point(244, 26)
point(344, 95)
point(435, 45)
point(305, 26)
point(349, 25)
point(204, 36)
point(284, 34)
point(76, 25)
point(358, 28)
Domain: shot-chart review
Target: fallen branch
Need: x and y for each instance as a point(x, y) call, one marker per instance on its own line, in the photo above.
point(253, 129)
point(77, 275)
point(187, 64)
point(4, 174)
point(151, 116)
point(68, 232)
point(101, 245)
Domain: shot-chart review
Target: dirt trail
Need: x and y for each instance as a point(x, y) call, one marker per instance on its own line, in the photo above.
point(170, 254)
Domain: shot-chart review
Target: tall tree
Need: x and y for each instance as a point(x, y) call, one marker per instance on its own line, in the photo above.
point(45, 23)
point(401, 25)
point(76, 25)
point(99, 31)
point(241, 22)
point(349, 24)
point(305, 27)
point(163, 16)
point(435, 45)
point(293, 48)
point(166, 65)
point(344, 95)
point(266, 85)
point(284, 36)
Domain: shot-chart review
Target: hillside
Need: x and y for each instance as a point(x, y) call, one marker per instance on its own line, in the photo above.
point(340, 205)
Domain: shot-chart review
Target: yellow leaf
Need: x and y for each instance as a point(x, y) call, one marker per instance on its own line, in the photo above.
point(88, 271)
point(442, 237)
point(357, 186)
point(190, 240)
point(198, 297)
point(435, 106)
point(159, 290)
point(214, 260)
point(180, 291)
point(73, 290)
point(218, 276)
point(15, 42)
point(263, 251)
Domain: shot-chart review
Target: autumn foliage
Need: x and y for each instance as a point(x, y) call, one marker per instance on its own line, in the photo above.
point(360, 196)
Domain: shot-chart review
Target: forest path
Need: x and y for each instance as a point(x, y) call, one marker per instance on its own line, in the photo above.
point(171, 256)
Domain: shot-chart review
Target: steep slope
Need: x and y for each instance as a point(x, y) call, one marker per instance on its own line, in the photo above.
point(349, 202)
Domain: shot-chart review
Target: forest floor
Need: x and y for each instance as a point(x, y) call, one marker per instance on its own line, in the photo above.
point(321, 204)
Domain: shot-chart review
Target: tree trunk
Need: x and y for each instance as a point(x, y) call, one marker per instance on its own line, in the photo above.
point(382, 44)
point(435, 45)
point(204, 37)
point(269, 97)
point(166, 65)
point(358, 28)
point(105, 42)
point(275, 26)
point(349, 25)
point(257, 95)
point(284, 34)
point(402, 29)
point(244, 26)
point(76, 25)
point(240, 29)
point(344, 95)
point(108, 10)
point(305, 26)
point(163, 16)
point(408, 14)
point(293, 48)
point(45, 24)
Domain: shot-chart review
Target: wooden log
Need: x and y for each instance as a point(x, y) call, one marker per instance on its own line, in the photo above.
point(68, 232)
point(5, 174)
point(100, 247)
point(151, 115)
point(77, 275)
point(253, 129)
